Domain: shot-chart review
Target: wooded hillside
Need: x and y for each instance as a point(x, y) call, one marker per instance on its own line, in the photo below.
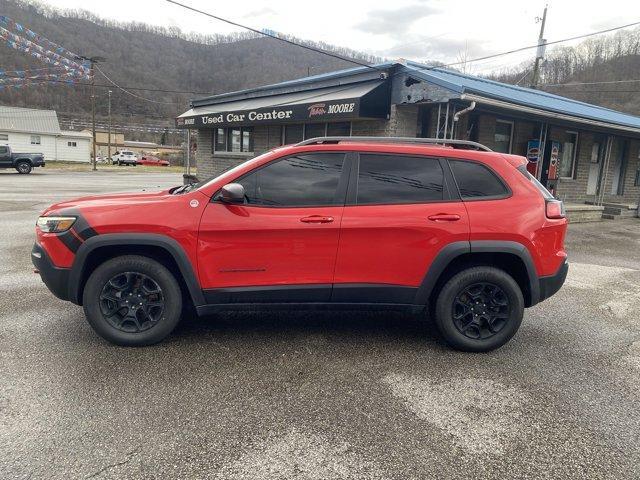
point(172, 62)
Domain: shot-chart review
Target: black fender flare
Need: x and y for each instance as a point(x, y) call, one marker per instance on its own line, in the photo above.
point(171, 246)
point(453, 250)
point(23, 159)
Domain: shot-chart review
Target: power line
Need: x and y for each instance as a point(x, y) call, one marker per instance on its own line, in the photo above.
point(521, 49)
point(589, 83)
point(267, 34)
point(132, 94)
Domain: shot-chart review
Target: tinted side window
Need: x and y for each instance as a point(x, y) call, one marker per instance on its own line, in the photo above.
point(476, 181)
point(388, 179)
point(4, 150)
point(304, 180)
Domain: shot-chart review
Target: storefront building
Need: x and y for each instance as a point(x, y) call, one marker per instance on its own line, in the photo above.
point(587, 155)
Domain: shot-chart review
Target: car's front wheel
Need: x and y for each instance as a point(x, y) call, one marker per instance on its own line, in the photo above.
point(479, 309)
point(132, 301)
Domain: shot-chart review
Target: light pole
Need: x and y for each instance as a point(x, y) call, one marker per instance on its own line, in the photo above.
point(93, 61)
point(109, 132)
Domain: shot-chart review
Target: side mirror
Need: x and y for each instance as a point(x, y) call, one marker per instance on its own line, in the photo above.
point(232, 193)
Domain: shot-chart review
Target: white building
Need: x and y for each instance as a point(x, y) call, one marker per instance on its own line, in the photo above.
point(28, 130)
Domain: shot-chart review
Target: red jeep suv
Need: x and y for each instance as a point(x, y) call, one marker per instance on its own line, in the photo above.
point(453, 230)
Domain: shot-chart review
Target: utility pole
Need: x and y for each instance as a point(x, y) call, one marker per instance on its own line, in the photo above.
point(92, 61)
point(109, 131)
point(540, 51)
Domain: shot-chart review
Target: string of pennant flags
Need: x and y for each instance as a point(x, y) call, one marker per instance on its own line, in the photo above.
point(63, 66)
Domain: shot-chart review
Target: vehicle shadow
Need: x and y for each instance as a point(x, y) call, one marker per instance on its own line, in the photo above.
point(383, 325)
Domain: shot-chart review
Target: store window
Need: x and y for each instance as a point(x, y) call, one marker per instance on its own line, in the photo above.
point(303, 180)
point(391, 179)
point(72, 144)
point(339, 129)
point(4, 137)
point(312, 130)
point(568, 159)
point(35, 139)
point(233, 139)
point(503, 136)
point(219, 140)
point(293, 134)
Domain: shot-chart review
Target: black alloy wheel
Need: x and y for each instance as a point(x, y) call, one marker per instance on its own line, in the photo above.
point(480, 310)
point(132, 302)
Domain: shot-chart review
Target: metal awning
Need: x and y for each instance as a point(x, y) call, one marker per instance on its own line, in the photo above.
point(364, 100)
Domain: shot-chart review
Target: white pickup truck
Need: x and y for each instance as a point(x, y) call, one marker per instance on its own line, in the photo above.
point(125, 157)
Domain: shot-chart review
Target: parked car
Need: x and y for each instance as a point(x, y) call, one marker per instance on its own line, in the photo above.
point(152, 160)
point(466, 236)
point(22, 162)
point(125, 157)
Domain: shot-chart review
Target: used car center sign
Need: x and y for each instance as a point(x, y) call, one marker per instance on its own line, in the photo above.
point(321, 111)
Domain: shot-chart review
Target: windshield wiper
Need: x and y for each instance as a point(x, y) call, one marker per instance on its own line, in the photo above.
point(184, 188)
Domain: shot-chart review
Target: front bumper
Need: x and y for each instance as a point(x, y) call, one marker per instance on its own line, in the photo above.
point(56, 279)
point(551, 284)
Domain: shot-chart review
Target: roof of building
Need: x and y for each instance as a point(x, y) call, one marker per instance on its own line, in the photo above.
point(29, 120)
point(456, 82)
point(76, 134)
point(463, 83)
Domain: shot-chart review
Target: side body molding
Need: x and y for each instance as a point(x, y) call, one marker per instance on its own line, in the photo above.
point(520, 251)
point(444, 257)
point(453, 250)
point(168, 244)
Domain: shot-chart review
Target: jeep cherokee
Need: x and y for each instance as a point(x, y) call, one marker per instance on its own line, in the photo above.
point(454, 231)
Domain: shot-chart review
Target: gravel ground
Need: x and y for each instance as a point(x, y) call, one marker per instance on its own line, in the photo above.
point(317, 395)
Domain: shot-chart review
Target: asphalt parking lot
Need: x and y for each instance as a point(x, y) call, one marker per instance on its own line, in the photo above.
point(317, 395)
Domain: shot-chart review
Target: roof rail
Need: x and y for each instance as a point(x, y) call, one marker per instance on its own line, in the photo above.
point(429, 141)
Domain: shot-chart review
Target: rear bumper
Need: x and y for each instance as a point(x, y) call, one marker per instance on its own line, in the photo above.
point(551, 284)
point(56, 279)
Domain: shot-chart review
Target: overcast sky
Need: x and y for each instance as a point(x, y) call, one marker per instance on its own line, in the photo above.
point(416, 29)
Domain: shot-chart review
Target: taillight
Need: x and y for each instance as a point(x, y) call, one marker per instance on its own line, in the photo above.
point(554, 208)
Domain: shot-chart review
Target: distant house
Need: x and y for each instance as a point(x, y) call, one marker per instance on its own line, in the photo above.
point(38, 131)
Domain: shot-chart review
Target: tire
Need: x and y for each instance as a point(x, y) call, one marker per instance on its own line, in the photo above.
point(103, 293)
point(479, 309)
point(23, 167)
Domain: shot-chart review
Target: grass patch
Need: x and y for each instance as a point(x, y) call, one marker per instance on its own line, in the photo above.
point(86, 167)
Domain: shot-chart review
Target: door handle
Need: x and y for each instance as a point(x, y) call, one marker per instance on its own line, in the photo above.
point(317, 219)
point(444, 217)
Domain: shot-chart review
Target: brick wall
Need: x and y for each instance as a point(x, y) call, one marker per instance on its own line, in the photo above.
point(403, 122)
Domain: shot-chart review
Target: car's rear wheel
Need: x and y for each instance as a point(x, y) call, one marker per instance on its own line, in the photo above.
point(132, 301)
point(23, 167)
point(479, 309)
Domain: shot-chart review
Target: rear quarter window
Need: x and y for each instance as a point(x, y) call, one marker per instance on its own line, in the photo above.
point(477, 182)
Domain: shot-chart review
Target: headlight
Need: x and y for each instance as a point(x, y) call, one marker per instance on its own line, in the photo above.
point(55, 224)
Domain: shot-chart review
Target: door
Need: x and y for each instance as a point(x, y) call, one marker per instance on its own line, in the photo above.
point(281, 244)
point(597, 152)
point(5, 157)
point(399, 215)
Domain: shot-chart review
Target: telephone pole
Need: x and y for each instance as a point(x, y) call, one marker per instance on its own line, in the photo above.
point(540, 51)
point(109, 131)
point(92, 61)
